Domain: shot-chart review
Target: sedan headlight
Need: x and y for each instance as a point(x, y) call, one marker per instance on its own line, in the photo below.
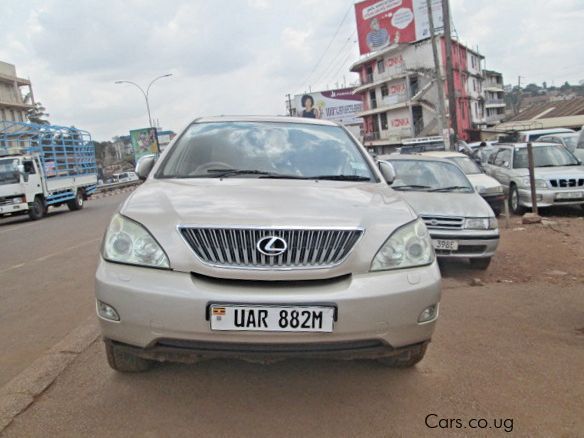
point(480, 223)
point(539, 183)
point(407, 247)
point(496, 190)
point(126, 241)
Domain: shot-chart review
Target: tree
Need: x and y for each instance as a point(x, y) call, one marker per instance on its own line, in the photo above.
point(38, 114)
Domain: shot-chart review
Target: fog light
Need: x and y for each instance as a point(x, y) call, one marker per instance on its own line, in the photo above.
point(428, 314)
point(107, 312)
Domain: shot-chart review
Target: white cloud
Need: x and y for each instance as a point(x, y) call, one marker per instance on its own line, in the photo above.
point(237, 57)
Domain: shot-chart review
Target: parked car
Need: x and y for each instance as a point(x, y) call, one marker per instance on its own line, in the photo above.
point(266, 237)
point(568, 140)
point(488, 187)
point(125, 177)
point(532, 134)
point(559, 176)
point(461, 223)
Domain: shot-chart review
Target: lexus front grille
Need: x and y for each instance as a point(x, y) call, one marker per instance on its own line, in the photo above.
point(240, 247)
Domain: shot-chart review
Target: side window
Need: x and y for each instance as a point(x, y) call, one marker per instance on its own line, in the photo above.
point(29, 167)
point(503, 158)
point(492, 155)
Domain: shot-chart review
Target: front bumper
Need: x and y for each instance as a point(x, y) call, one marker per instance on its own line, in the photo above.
point(550, 198)
point(471, 243)
point(496, 202)
point(168, 309)
point(13, 208)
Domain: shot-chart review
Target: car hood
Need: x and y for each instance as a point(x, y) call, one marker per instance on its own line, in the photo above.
point(482, 180)
point(448, 204)
point(162, 205)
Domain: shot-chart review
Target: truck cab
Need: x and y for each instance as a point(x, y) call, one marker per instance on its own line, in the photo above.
point(42, 166)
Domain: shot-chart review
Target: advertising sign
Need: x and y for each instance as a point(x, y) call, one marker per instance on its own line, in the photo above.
point(338, 105)
point(144, 142)
point(383, 23)
point(396, 92)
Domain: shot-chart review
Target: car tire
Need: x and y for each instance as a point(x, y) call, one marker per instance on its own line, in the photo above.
point(405, 359)
point(37, 209)
point(480, 263)
point(77, 203)
point(514, 204)
point(125, 362)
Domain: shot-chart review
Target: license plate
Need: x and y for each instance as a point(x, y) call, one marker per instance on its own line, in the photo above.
point(570, 195)
point(448, 245)
point(272, 318)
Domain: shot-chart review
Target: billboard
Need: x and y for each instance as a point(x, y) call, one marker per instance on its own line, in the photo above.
point(339, 105)
point(383, 23)
point(144, 142)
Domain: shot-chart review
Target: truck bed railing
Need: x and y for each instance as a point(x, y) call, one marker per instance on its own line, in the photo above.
point(62, 151)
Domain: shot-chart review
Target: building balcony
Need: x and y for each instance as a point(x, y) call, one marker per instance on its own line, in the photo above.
point(494, 103)
point(495, 118)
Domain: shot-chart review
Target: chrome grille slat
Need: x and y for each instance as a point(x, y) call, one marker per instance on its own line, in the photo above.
point(237, 246)
point(443, 222)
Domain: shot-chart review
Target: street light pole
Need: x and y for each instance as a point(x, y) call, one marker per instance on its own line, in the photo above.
point(145, 93)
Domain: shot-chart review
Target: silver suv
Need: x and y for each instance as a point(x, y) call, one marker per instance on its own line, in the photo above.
point(559, 175)
point(266, 238)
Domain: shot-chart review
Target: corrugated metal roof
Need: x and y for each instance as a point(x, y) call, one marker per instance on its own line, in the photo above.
point(547, 110)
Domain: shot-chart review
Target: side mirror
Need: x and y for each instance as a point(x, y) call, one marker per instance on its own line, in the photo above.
point(144, 166)
point(387, 171)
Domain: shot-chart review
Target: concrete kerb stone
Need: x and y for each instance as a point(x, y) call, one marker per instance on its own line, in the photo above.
point(19, 393)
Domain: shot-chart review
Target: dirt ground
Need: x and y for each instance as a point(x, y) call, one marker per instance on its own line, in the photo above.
point(551, 252)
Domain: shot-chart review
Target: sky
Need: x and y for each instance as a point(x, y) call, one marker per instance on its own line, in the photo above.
point(243, 56)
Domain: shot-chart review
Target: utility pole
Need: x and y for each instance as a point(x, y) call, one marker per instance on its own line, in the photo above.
point(438, 76)
point(518, 101)
point(450, 74)
point(289, 104)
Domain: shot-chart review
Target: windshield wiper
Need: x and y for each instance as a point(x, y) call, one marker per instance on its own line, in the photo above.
point(410, 186)
point(449, 188)
point(220, 173)
point(341, 177)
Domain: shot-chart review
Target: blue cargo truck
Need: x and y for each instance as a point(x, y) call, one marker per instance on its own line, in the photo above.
point(44, 166)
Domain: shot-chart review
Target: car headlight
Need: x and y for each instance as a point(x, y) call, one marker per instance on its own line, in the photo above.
point(480, 223)
point(539, 183)
point(496, 190)
point(126, 241)
point(407, 247)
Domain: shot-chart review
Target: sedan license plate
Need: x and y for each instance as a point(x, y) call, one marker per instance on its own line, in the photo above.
point(272, 318)
point(444, 244)
point(570, 195)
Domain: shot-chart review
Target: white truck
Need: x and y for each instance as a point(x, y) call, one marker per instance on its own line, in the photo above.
point(44, 166)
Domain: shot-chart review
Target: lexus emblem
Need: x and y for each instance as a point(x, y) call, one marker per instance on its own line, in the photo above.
point(272, 246)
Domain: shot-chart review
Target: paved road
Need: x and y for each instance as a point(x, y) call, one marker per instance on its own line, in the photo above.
point(507, 355)
point(504, 356)
point(46, 279)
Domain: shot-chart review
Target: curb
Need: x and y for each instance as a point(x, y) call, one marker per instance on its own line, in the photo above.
point(20, 392)
point(113, 192)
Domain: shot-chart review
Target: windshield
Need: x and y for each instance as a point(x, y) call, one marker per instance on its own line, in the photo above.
point(571, 141)
point(9, 171)
point(263, 149)
point(544, 156)
point(468, 166)
point(421, 175)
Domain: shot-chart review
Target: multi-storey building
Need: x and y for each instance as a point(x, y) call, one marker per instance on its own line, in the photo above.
point(494, 96)
point(400, 95)
point(16, 96)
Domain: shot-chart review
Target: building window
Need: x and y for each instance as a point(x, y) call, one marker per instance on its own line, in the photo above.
point(384, 91)
point(383, 120)
point(474, 84)
point(380, 66)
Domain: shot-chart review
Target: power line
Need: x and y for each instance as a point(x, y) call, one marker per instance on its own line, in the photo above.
point(329, 45)
point(343, 64)
point(330, 67)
